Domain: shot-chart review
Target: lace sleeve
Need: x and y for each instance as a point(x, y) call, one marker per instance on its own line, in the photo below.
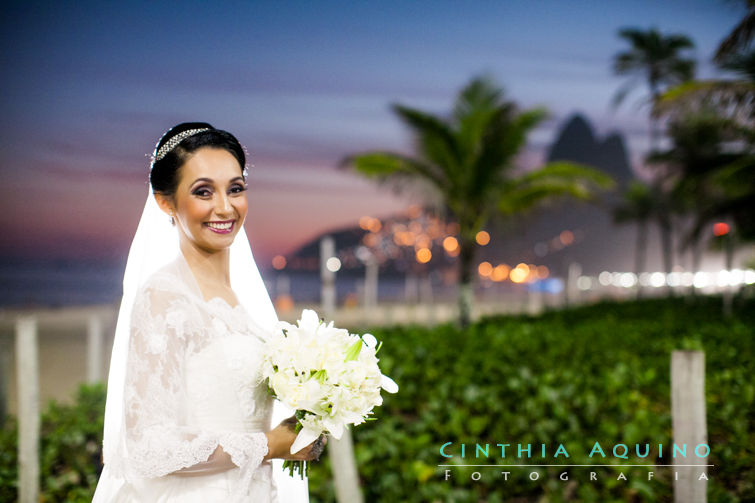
point(158, 438)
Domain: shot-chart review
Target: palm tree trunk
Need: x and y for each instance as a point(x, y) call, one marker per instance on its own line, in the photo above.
point(728, 289)
point(640, 251)
point(667, 248)
point(655, 133)
point(466, 287)
point(697, 256)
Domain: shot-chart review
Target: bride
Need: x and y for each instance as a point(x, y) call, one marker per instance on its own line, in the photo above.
point(186, 417)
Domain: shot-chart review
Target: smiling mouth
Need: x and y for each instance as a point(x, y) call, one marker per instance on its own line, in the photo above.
point(221, 227)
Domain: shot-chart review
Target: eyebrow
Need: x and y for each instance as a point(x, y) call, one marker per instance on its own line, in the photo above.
point(211, 180)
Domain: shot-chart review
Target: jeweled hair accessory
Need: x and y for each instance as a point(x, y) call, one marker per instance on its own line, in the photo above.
point(171, 144)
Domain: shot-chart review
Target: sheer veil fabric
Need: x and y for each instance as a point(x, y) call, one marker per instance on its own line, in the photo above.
point(154, 246)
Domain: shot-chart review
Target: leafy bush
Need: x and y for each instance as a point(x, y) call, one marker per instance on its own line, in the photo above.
point(9, 461)
point(70, 447)
point(71, 438)
point(574, 377)
point(598, 373)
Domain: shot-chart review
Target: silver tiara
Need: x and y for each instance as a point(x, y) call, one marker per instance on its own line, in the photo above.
point(171, 144)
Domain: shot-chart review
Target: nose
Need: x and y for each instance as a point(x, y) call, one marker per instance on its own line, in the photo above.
point(223, 205)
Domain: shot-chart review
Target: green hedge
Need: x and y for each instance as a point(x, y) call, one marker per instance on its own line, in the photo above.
point(599, 373)
point(70, 446)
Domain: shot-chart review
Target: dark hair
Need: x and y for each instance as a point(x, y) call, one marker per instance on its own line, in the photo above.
point(164, 174)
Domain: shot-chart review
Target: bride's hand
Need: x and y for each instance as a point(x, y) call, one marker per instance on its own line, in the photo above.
point(280, 439)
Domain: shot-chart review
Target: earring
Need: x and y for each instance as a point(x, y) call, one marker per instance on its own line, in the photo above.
point(172, 220)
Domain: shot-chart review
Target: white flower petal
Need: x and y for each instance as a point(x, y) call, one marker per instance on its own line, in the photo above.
point(335, 428)
point(305, 437)
point(309, 320)
point(388, 384)
point(369, 340)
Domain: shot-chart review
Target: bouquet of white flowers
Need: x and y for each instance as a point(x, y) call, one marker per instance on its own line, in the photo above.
point(329, 376)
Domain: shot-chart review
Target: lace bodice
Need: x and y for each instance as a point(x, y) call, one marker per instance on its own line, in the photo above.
point(193, 385)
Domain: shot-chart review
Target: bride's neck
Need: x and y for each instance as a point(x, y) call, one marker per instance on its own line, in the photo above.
point(208, 268)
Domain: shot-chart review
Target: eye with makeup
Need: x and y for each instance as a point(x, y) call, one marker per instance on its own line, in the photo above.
point(206, 191)
point(238, 188)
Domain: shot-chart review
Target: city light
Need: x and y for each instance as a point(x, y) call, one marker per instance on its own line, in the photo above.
point(284, 303)
point(720, 229)
point(450, 244)
point(616, 279)
point(584, 283)
point(700, 280)
point(604, 278)
point(722, 278)
point(333, 264)
point(645, 279)
point(674, 279)
point(520, 273)
point(364, 223)
point(566, 237)
point(737, 277)
point(542, 272)
point(500, 273)
point(424, 255)
point(279, 262)
point(484, 269)
point(482, 238)
point(657, 279)
point(628, 279)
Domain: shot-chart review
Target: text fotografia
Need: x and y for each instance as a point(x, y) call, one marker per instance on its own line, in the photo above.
point(527, 451)
point(534, 475)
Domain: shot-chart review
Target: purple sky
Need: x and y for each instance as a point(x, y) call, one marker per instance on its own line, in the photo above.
point(88, 88)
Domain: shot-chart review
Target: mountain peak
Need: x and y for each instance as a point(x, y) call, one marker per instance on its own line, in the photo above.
point(577, 142)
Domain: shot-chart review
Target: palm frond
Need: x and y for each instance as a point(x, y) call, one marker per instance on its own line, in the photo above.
point(503, 139)
point(741, 63)
point(436, 140)
point(383, 165)
point(739, 38)
point(480, 94)
point(570, 171)
point(557, 179)
point(733, 99)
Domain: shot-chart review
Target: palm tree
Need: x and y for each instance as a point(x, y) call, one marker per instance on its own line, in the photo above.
point(697, 152)
point(658, 60)
point(637, 205)
point(733, 100)
point(468, 159)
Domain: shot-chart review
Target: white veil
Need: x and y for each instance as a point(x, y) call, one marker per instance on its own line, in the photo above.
point(154, 245)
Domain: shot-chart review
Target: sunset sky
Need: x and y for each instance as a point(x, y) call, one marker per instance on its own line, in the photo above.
point(88, 88)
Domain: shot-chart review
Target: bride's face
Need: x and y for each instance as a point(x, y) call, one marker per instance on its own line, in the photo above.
point(210, 200)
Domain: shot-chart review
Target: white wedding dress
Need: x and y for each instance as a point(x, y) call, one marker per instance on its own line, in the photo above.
point(192, 387)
